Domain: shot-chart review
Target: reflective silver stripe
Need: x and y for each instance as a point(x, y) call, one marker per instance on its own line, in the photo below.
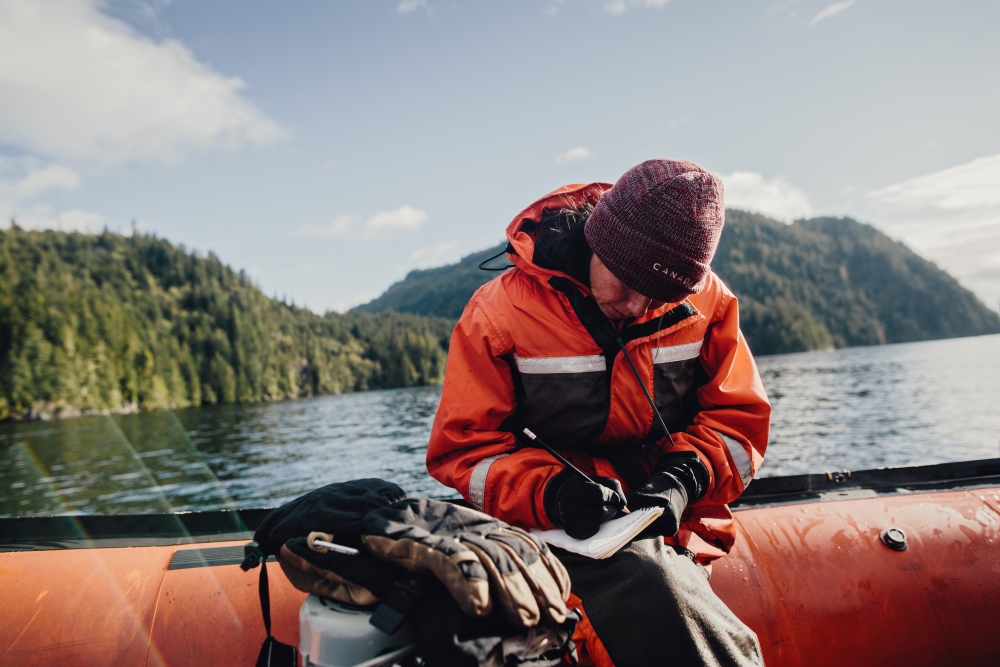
point(477, 484)
point(548, 365)
point(663, 355)
point(740, 458)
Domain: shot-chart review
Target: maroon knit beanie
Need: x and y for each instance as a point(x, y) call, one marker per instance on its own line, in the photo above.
point(657, 229)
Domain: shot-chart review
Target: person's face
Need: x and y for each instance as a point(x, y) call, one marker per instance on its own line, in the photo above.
point(617, 301)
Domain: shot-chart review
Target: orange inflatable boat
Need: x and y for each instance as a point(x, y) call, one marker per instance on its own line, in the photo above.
point(897, 566)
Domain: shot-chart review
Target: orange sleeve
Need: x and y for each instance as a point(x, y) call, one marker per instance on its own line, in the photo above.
point(467, 451)
point(730, 432)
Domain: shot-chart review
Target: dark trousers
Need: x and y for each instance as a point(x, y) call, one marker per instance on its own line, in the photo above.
point(652, 606)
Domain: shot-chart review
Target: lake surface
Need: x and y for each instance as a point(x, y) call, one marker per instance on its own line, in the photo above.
point(857, 408)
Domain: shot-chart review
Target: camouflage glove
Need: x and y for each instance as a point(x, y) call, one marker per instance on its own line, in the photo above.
point(360, 580)
point(480, 560)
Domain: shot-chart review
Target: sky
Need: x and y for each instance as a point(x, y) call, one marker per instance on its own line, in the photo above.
point(328, 148)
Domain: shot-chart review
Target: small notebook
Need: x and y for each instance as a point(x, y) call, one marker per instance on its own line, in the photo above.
point(612, 536)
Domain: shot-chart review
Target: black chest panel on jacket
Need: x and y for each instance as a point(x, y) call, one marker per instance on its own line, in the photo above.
point(566, 410)
point(675, 392)
point(570, 410)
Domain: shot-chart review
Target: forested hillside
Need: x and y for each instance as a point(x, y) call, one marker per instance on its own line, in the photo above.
point(120, 323)
point(826, 282)
point(108, 322)
point(834, 282)
point(441, 291)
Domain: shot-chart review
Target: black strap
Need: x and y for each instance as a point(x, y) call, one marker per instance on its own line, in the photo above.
point(275, 654)
point(508, 250)
point(265, 597)
point(599, 326)
point(663, 424)
point(272, 652)
point(675, 315)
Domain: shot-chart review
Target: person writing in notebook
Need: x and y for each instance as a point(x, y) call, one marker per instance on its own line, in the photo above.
point(614, 342)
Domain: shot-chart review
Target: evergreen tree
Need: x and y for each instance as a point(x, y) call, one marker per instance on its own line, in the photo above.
point(108, 322)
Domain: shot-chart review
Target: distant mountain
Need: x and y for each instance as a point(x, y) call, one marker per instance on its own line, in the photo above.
point(837, 282)
point(90, 323)
point(814, 284)
point(442, 291)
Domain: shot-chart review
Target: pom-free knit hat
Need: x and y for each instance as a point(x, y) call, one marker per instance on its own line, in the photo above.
point(657, 229)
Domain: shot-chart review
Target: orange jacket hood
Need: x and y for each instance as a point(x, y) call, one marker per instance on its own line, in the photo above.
point(569, 196)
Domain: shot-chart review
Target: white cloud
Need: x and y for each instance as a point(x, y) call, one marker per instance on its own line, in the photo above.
point(41, 216)
point(555, 7)
point(340, 227)
point(952, 217)
point(434, 254)
point(621, 6)
point(832, 10)
point(777, 198)
point(38, 181)
point(574, 155)
point(970, 185)
point(405, 218)
point(22, 180)
point(77, 220)
point(77, 84)
point(407, 6)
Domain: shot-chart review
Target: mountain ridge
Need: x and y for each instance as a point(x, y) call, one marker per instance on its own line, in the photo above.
point(110, 323)
point(814, 284)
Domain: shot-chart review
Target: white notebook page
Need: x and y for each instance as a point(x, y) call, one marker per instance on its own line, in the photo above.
point(612, 536)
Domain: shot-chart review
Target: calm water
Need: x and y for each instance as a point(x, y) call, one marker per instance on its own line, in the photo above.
point(857, 408)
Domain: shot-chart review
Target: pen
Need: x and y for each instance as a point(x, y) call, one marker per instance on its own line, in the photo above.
point(564, 461)
point(556, 454)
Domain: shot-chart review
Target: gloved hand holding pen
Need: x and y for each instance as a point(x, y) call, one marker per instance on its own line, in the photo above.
point(577, 503)
point(580, 505)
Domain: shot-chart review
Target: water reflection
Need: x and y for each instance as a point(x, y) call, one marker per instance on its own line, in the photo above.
point(857, 408)
point(884, 406)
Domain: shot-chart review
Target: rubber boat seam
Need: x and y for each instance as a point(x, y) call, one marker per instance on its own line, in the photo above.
point(981, 501)
point(776, 597)
point(152, 622)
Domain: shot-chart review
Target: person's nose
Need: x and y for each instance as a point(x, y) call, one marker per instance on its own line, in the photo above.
point(638, 304)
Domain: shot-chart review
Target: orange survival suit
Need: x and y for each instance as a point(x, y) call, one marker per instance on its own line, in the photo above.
point(524, 354)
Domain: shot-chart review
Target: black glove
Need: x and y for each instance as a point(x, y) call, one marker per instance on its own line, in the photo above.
point(680, 478)
point(580, 506)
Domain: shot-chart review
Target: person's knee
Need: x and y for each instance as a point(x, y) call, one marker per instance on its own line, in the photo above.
point(654, 562)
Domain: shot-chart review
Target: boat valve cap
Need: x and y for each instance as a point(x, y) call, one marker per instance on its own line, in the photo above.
point(894, 538)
